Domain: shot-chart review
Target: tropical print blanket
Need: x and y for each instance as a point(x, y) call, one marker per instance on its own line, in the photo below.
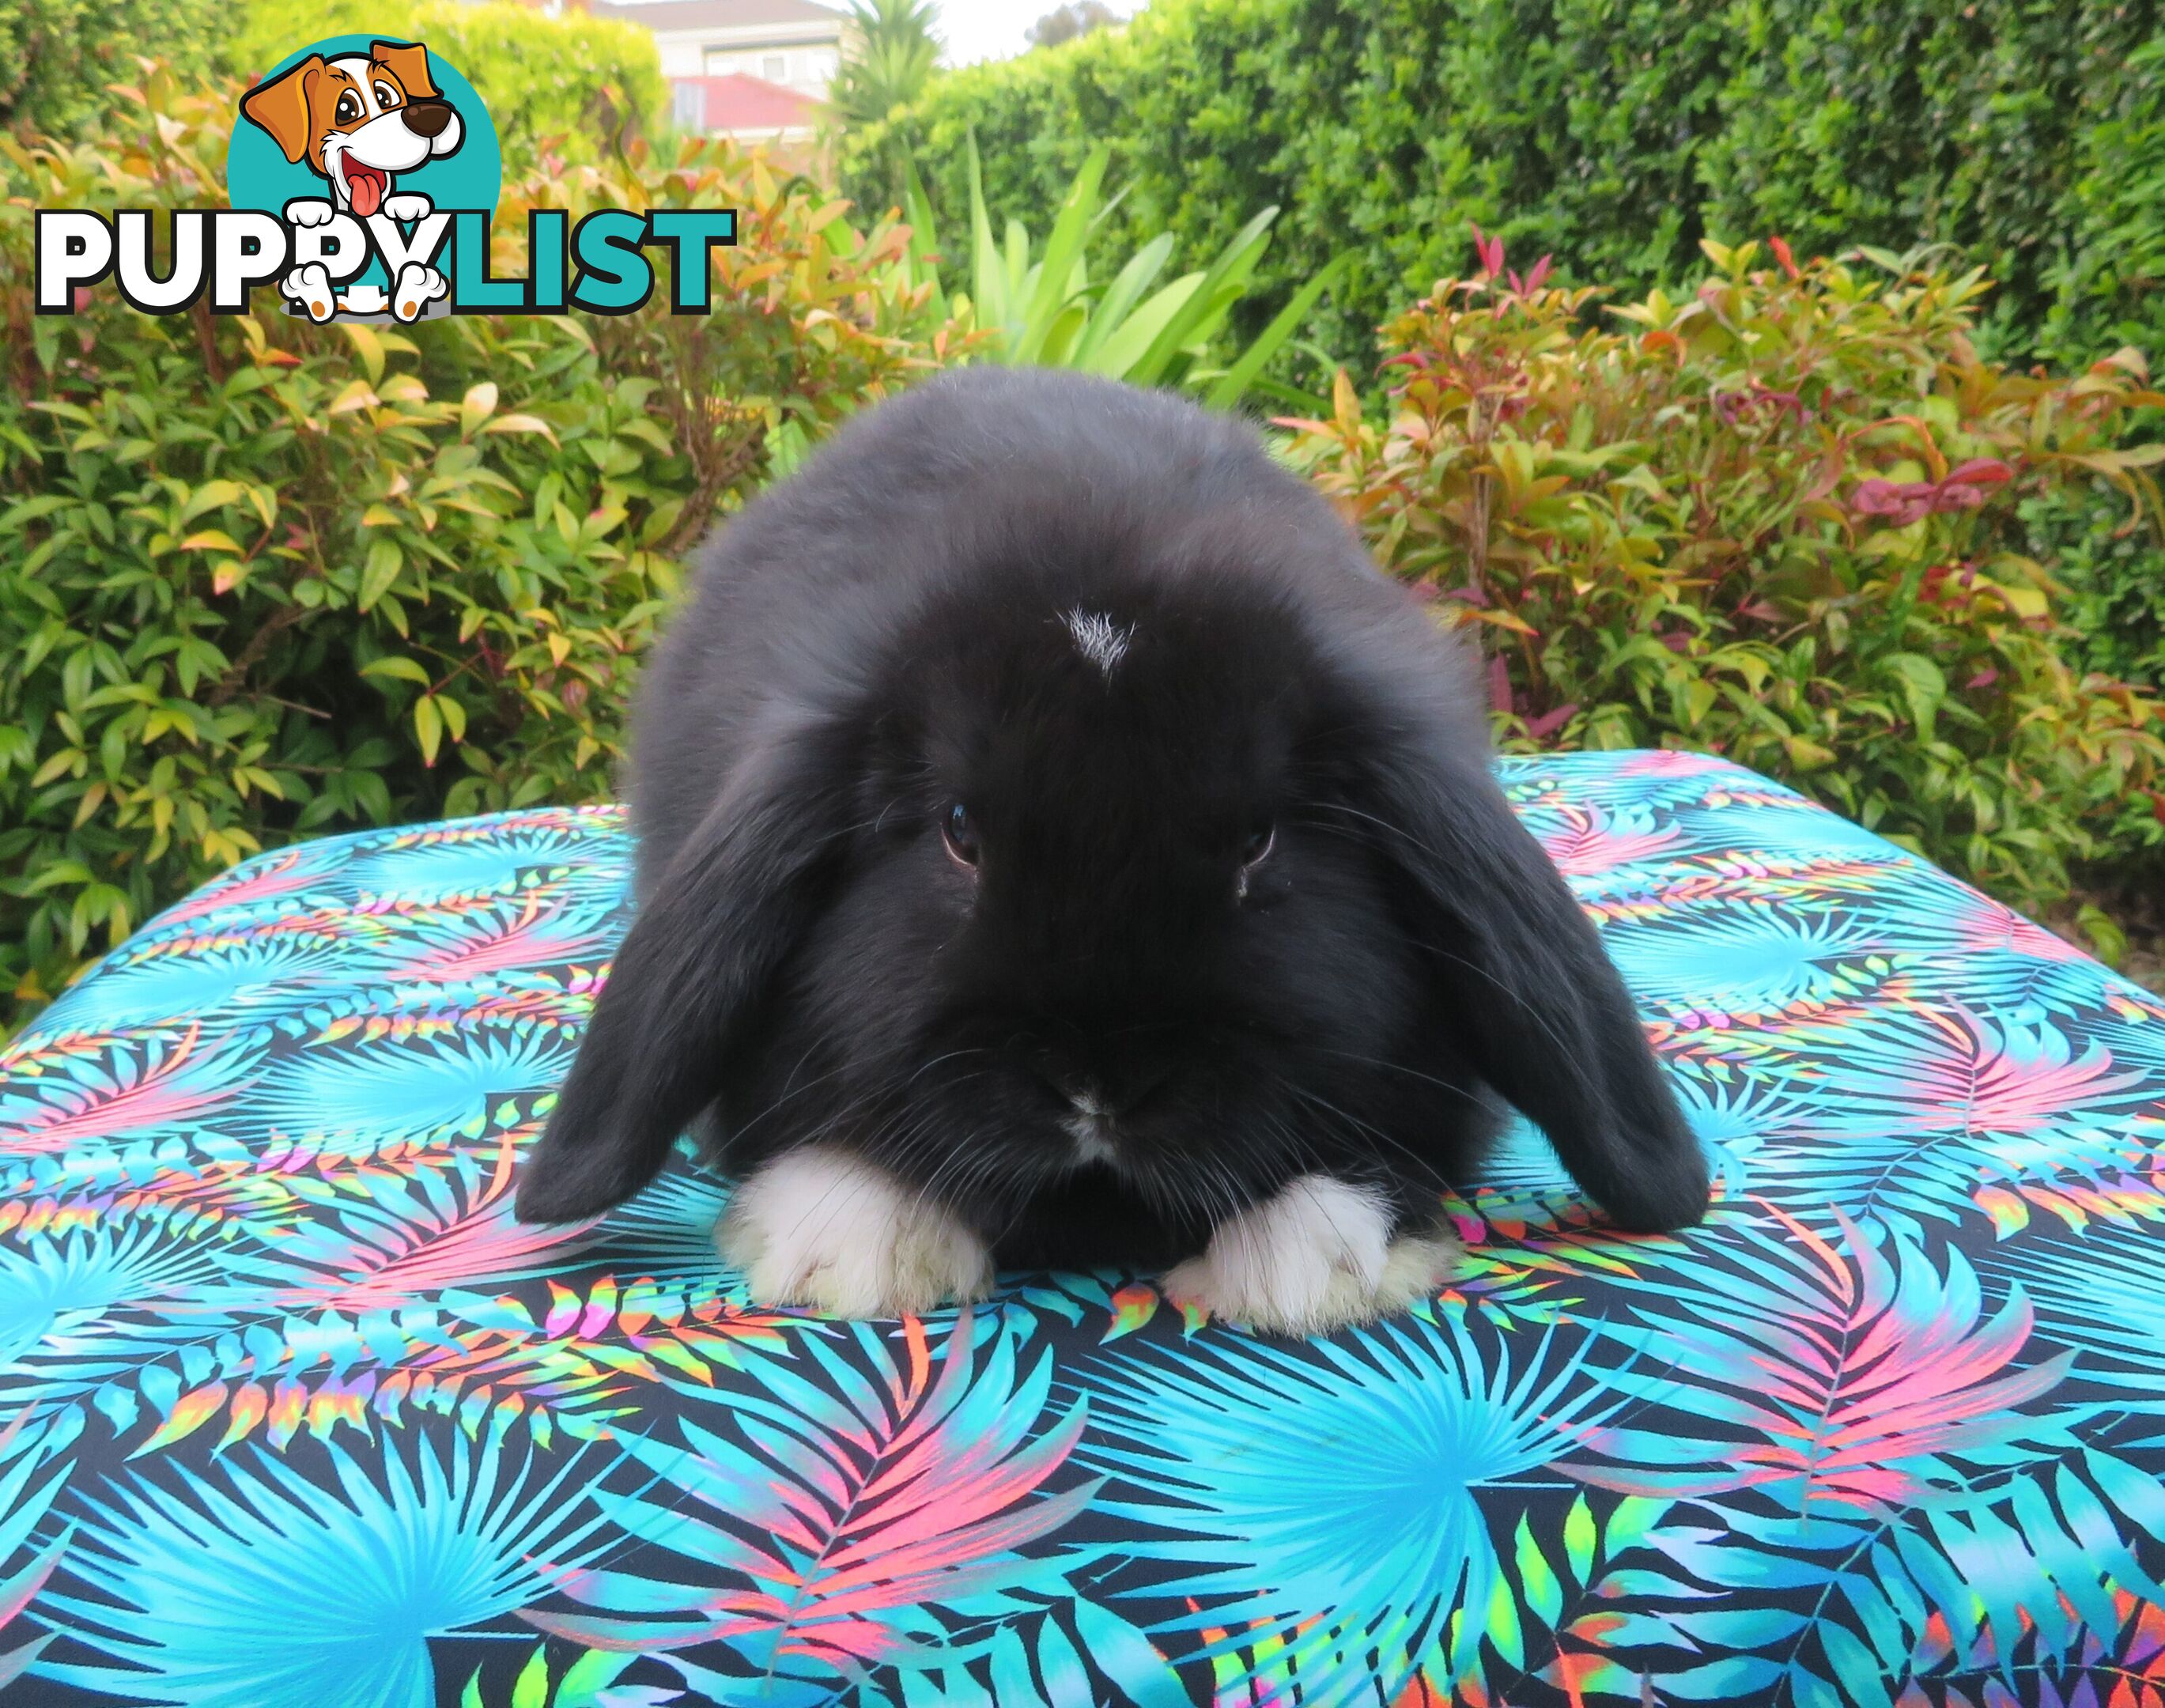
point(292, 1412)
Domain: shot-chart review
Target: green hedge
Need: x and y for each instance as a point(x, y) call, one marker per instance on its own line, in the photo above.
point(1614, 133)
point(57, 57)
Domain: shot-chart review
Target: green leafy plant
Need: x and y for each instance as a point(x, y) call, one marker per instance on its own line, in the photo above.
point(260, 580)
point(1044, 311)
point(58, 56)
point(1775, 516)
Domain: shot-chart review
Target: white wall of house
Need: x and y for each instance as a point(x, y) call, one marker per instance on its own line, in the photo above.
point(809, 67)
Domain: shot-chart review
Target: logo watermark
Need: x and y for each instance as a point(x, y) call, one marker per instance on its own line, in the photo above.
point(363, 174)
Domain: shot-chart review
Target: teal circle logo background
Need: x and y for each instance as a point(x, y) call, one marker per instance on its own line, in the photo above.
point(258, 174)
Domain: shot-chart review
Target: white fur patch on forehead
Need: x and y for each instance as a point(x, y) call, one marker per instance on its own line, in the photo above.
point(1099, 638)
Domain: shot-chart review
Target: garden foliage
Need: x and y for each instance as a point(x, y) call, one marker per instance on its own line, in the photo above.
point(260, 580)
point(1614, 134)
point(1046, 311)
point(58, 56)
point(1779, 517)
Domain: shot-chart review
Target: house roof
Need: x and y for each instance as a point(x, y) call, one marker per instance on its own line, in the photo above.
point(737, 102)
point(720, 15)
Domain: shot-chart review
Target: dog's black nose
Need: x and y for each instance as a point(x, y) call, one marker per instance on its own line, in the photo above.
point(427, 117)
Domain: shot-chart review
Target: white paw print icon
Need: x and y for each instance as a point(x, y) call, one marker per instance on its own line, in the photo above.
point(309, 288)
point(418, 285)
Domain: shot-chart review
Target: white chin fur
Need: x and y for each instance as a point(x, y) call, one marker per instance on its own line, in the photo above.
point(1317, 1255)
point(820, 1227)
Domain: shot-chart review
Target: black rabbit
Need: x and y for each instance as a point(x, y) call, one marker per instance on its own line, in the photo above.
point(1060, 844)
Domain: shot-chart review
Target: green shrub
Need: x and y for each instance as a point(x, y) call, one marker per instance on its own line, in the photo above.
point(2106, 293)
point(1614, 132)
point(576, 87)
point(2110, 255)
point(2114, 571)
point(1780, 517)
point(260, 580)
point(57, 57)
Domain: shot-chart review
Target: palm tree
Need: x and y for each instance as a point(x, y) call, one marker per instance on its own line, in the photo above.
point(890, 57)
point(892, 54)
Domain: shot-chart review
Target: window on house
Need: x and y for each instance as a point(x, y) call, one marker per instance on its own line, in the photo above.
point(774, 67)
point(691, 107)
point(720, 65)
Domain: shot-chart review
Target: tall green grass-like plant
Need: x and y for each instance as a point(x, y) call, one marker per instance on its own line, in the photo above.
point(1777, 517)
point(1044, 311)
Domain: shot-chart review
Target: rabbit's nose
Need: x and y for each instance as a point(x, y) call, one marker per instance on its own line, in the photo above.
point(1118, 1092)
point(1098, 1083)
point(1097, 1097)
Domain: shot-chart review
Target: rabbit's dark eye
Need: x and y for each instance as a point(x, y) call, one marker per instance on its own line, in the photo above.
point(959, 830)
point(1257, 846)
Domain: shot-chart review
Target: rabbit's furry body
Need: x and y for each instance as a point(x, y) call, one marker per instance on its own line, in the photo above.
point(1060, 845)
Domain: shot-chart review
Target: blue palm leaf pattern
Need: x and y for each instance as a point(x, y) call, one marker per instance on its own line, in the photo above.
point(435, 867)
point(363, 1098)
point(292, 1410)
point(2102, 1298)
point(1751, 960)
point(61, 1298)
point(256, 1583)
point(1346, 1481)
point(102, 1094)
point(666, 1234)
point(187, 980)
point(850, 1521)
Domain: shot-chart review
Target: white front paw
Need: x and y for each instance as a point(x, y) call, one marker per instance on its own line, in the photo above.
point(820, 1227)
point(409, 204)
point(1317, 1255)
point(310, 286)
point(308, 211)
point(417, 284)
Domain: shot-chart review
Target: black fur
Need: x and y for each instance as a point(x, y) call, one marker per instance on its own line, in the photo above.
point(884, 635)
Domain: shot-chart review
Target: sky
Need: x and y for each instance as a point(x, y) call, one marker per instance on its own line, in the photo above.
point(993, 29)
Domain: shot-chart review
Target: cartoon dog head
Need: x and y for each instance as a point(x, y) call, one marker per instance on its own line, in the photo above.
point(358, 119)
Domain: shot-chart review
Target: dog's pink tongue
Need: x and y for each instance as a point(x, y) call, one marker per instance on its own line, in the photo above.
point(366, 189)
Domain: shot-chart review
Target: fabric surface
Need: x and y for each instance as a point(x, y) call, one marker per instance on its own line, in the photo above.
point(295, 1413)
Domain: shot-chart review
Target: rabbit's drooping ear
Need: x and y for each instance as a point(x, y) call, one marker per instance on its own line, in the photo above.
point(1549, 1022)
point(690, 974)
